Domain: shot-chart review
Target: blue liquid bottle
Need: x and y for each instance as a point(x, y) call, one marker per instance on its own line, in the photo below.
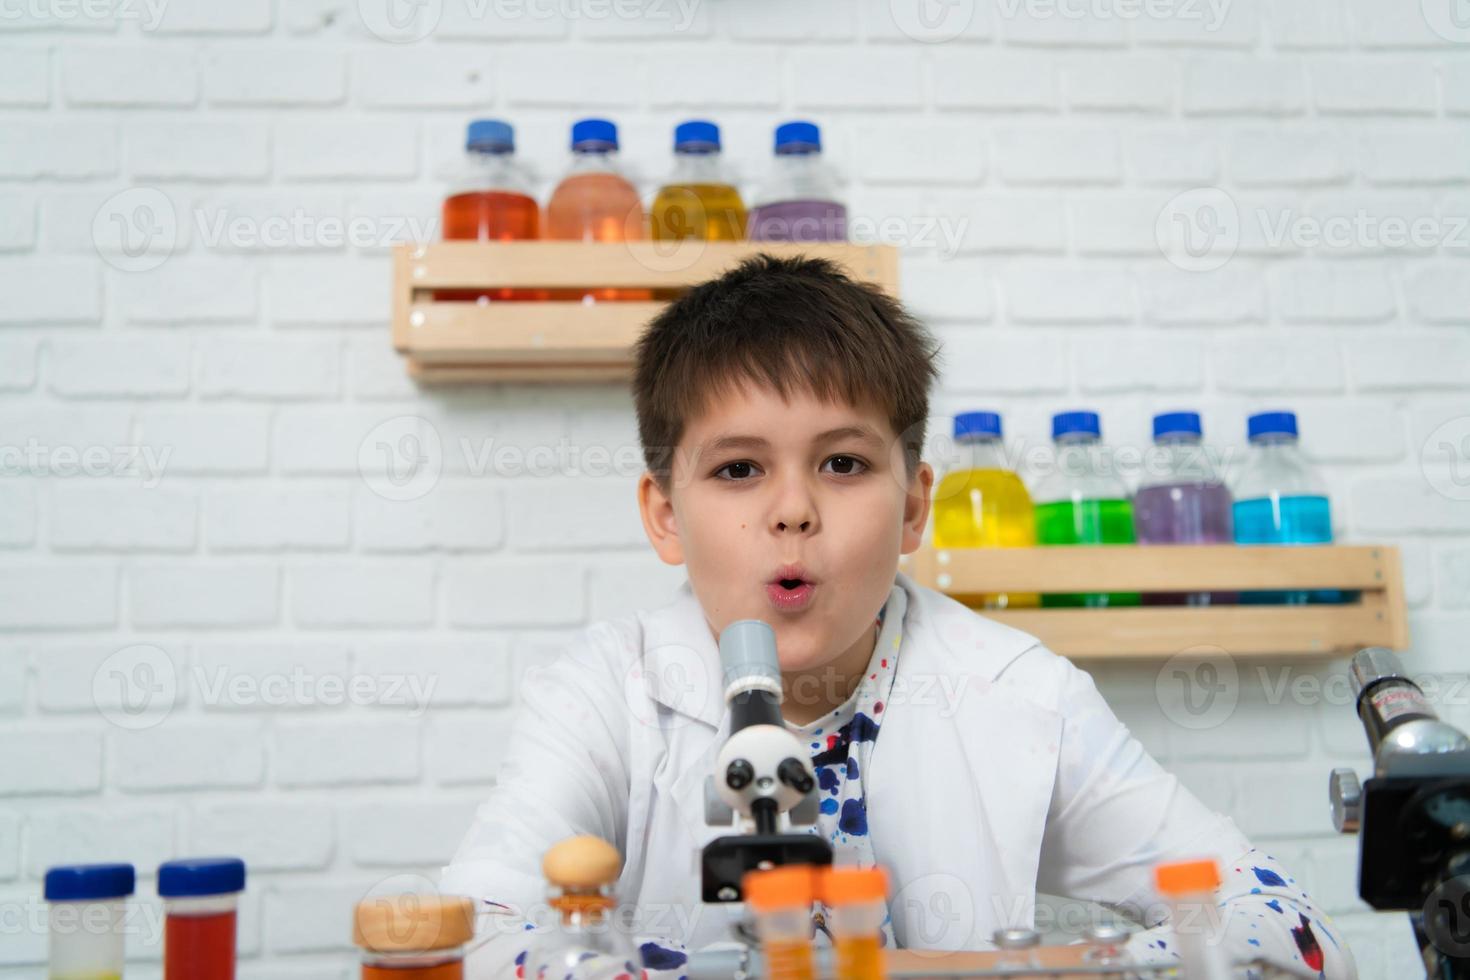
point(1280, 499)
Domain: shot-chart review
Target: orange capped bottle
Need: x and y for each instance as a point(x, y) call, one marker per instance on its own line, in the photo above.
point(491, 202)
point(595, 203)
point(858, 900)
point(781, 899)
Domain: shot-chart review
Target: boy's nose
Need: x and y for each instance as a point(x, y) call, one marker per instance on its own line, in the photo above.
point(782, 525)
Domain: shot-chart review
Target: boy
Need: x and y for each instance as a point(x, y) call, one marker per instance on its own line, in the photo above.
point(782, 408)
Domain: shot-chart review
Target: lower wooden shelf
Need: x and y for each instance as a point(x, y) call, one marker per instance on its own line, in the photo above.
point(1377, 617)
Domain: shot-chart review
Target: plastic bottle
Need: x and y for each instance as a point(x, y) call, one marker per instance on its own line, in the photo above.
point(1182, 499)
point(781, 902)
point(1189, 887)
point(699, 200)
point(87, 909)
point(585, 943)
point(413, 937)
point(490, 202)
point(799, 200)
point(200, 896)
point(1082, 502)
point(981, 502)
point(595, 203)
point(858, 901)
point(1280, 499)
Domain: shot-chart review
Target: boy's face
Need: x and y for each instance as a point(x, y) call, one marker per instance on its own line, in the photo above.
point(760, 484)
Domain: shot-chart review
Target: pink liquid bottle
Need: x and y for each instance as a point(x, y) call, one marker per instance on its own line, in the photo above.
point(595, 203)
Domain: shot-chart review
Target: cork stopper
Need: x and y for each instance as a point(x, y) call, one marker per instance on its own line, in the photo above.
point(582, 864)
point(412, 923)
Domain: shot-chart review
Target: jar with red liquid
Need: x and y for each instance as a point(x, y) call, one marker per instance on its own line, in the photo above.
point(490, 202)
point(413, 937)
point(200, 898)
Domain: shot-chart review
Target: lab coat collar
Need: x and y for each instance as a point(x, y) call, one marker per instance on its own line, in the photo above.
point(681, 656)
point(681, 659)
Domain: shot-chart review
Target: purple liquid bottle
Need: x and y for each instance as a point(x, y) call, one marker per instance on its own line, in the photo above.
point(798, 203)
point(1182, 500)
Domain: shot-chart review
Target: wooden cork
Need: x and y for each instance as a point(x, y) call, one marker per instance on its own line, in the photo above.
point(583, 863)
point(403, 923)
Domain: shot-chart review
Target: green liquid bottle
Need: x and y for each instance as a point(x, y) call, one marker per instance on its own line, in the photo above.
point(1082, 502)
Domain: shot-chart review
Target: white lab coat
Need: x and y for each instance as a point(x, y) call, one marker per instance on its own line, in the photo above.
point(998, 771)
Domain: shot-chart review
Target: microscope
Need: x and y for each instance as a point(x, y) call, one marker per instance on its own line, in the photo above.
point(1412, 817)
point(763, 784)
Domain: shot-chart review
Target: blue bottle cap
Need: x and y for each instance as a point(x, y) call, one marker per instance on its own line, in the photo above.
point(594, 134)
point(977, 424)
point(1068, 423)
point(1271, 424)
point(696, 136)
point(798, 136)
point(80, 882)
point(193, 877)
point(490, 136)
point(1177, 424)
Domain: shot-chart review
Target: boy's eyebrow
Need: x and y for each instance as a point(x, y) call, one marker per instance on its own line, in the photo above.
point(861, 432)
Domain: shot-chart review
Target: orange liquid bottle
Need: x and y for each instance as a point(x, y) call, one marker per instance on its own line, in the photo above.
point(595, 203)
point(780, 900)
point(491, 202)
point(858, 900)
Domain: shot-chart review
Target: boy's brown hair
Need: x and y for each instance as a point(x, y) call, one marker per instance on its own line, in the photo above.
point(789, 324)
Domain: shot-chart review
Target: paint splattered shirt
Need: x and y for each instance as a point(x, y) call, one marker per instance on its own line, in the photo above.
point(841, 744)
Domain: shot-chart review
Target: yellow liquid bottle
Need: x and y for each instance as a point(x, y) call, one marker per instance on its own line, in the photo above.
point(707, 212)
point(698, 201)
point(981, 503)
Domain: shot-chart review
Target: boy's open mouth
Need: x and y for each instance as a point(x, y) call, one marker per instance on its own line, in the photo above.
point(790, 590)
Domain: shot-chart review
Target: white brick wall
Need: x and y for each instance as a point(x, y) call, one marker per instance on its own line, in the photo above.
point(330, 669)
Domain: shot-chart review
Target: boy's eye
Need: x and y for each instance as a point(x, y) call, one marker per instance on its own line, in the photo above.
point(846, 465)
point(737, 471)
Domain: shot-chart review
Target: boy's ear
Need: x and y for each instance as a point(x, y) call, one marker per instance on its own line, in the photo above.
point(916, 508)
point(657, 510)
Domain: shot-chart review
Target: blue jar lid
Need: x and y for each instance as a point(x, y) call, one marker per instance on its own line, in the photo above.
point(79, 882)
point(798, 136)
point(1069, 423)
point(696, 136)
point(977, 424)
point(594, 134)
point(1177, 424)
point(490, 136)
point(1271, 424)
point(193, 877)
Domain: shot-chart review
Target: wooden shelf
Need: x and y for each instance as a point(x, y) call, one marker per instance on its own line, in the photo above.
point(465, 342)
point(1377, 618)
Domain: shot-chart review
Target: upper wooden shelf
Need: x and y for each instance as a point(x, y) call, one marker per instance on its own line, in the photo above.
point(1377, 618)
point(564, 341)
